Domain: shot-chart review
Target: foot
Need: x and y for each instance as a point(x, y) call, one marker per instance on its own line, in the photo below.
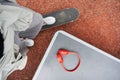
point(49, 20)
point(28, 42)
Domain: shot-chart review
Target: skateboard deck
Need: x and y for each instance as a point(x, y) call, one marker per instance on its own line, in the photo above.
point(62, 17)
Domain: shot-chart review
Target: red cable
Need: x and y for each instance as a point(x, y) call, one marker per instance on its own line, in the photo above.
point(60, 59)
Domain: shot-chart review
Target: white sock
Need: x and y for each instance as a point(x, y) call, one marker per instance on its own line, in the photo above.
point(28, 42)
point(49, 20)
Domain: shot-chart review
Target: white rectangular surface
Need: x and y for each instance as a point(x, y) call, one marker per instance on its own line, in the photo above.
point(95, 63)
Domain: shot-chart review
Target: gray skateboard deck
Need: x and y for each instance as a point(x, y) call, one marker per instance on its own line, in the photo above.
point(62, 17)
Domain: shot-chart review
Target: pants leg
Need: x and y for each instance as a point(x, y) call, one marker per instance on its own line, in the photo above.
point(31, 32)
point(34, 28)
point(22, 48)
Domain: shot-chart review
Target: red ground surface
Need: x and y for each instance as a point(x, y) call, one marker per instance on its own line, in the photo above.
point(98, 24)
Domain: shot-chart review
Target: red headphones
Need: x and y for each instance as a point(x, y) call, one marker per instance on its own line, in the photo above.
point(66, 52)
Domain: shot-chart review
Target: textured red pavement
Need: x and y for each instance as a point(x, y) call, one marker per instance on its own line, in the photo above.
point(98, 24)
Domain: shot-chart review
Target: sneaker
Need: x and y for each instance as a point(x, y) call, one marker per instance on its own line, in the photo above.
point(49, 20)
point(28, 42)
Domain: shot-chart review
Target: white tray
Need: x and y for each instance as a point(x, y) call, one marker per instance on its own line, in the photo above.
point(95, 63)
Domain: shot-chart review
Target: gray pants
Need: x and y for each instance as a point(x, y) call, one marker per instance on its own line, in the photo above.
point(31, 32)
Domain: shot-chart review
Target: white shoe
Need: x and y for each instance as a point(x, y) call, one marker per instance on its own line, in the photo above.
point(49, 20)
point(28, 42)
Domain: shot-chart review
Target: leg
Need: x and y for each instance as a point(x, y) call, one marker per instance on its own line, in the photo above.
point(36, 24)
point(23, 49)
point(34, 28)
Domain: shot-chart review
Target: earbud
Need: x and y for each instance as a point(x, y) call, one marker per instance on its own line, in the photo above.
point(60, 59)
point(60, 53)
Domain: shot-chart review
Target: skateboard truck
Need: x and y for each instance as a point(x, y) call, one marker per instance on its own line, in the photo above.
point(60, 59)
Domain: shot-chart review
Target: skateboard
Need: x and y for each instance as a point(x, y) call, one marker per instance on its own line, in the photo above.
point(63, 16)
